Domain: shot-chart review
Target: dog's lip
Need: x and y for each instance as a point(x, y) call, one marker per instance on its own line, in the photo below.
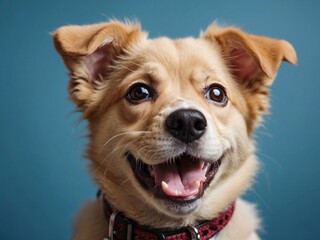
point(144, 175)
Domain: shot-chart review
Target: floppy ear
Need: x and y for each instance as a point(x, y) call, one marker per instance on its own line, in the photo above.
point(253, 61)
point(88, 52)
point(251, 58)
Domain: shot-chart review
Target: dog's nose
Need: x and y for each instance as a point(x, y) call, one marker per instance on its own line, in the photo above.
point(186, 125)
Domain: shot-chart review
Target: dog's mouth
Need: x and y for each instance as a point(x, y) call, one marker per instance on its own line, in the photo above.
point(182, 179)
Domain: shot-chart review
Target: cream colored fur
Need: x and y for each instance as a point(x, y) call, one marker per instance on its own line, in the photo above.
point(106, 59)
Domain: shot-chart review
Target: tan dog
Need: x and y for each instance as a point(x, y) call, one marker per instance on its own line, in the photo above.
point(171, 123)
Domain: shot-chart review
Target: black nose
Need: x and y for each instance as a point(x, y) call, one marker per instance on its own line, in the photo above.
point(186, 125)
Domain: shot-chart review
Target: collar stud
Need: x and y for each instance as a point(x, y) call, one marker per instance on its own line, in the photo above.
point(195, 235)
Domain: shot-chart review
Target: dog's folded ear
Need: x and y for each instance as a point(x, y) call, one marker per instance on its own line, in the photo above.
point(250, 58)
point(89, 51)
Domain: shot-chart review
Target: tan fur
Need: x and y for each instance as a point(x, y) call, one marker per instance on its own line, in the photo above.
point(179, 70)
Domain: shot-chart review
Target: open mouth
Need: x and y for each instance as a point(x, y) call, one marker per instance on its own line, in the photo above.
point(182, 179)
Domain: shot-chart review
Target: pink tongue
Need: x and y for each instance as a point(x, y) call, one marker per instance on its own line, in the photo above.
point(180, 181)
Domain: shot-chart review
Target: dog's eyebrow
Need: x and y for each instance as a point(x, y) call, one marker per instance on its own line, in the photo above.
point(151, 78)
point(150, 75)
point(207, 78)
point(203, 75)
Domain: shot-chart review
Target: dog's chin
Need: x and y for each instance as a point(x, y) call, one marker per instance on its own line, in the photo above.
point(179, 207)
point(187, 176)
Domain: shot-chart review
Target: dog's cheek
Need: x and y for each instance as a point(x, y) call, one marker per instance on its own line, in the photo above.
point(232, 132)
point(239, 138)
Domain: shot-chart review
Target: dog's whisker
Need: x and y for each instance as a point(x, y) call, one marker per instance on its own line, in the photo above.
point(125, 181)
point(230, 156)
point(266, 175)
point(109, 157)
point(270, 158)
point(121, 153)
point(121, 134)
point(261, 199)
point(107, 160)
point(140, 150)
point(264, 169)
point(117, 136)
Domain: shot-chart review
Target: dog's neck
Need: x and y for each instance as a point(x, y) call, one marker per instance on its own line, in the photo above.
point(121, 227)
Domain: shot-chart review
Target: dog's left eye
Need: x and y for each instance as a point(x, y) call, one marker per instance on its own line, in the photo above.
point(139, 93)
point(217, 94)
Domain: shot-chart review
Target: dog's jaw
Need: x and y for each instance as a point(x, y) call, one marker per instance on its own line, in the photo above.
point(143, 208)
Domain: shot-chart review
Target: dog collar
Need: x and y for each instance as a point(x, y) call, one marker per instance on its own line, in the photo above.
point(123, 228)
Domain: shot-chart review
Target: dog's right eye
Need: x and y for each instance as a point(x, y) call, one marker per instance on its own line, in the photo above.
point(139, 93)
point(217, 95)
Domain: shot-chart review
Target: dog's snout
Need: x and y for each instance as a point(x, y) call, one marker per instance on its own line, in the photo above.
point(186, 125)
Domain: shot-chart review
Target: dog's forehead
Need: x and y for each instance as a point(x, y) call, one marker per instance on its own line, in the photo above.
point(188, 58)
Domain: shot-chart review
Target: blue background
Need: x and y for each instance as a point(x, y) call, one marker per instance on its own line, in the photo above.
point(43, 177)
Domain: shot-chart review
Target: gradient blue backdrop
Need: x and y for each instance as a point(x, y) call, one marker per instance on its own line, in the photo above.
point(43, 177)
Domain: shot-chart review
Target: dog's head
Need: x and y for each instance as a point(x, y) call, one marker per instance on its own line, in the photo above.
point(170, 121)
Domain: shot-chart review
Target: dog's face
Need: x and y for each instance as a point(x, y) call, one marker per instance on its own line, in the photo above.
point(170, 120)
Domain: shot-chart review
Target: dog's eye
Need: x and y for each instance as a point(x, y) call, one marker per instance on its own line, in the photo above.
point(217, 94)
point(139, 93)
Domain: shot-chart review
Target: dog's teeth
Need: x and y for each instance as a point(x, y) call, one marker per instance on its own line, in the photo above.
point(164, 185)
point(197, 183)
point(205, 166)
point(202, 164)
point(150, 169)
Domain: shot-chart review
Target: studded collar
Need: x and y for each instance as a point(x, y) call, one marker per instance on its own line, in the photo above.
point(123, 228)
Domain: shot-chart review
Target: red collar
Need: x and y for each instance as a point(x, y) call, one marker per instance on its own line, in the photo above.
point(125, 228)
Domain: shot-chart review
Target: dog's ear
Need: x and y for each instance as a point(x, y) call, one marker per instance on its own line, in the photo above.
point(253, 61)
point(88, 52)
point(250, 58)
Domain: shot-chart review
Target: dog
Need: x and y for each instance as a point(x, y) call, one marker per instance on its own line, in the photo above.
point(171, 124)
